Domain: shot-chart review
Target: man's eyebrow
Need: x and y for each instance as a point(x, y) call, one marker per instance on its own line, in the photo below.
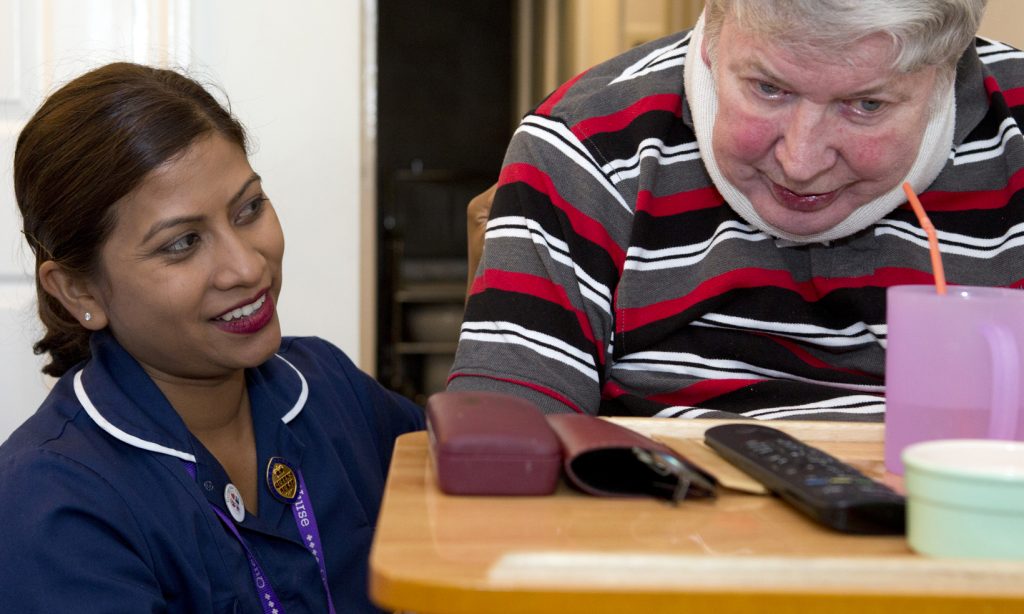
point(191, 219)
point(757, 66)
point(874, 90)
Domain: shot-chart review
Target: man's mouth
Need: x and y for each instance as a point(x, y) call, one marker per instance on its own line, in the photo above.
point(803, 202)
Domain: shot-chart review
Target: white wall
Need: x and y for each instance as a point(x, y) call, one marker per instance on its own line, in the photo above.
point(292, 71)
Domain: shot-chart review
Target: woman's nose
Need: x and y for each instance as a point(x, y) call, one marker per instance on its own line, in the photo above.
point(239, 262)
point(806, 148)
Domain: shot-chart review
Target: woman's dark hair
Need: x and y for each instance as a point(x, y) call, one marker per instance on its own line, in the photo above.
point(91, 143)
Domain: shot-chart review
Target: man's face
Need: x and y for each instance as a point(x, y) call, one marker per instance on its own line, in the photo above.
point(810, 139)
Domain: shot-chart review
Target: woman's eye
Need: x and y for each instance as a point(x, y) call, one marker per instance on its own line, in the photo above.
point(251, 209)
point(182, 245)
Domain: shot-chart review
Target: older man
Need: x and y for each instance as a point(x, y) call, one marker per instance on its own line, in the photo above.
point(707, 225)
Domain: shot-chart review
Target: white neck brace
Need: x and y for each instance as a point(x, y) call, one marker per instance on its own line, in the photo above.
point(931, 155)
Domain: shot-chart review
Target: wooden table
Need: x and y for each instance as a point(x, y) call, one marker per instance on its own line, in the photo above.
point(570, 552)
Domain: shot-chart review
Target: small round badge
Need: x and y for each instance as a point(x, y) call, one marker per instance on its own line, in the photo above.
point(233, 499)
point(281, 480)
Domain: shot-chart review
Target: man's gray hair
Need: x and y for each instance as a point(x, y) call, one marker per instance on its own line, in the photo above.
point(924, 32)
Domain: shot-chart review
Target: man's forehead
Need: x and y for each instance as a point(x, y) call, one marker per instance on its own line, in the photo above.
point(874, 54)
point(877, 50)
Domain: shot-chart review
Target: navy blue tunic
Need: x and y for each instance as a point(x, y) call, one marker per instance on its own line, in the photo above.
point(99, 514)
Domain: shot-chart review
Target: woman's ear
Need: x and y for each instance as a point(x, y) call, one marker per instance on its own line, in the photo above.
point(76, 294)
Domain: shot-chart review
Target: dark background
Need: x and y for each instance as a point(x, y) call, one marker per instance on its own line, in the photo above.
point(444, 118)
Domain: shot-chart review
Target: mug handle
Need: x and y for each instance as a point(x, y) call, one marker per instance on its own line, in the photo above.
point(1005, 381)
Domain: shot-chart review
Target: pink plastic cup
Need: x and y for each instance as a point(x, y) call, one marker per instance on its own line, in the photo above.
point(953, 366)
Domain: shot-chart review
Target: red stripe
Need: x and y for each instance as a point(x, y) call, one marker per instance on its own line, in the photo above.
point(695, 394)
point(812, 290)
point(1014, 96)
point(541, 389)
point(991, 85)
point(809, 358)
point(966, 201)
point(618, 120)
point(536, 286)
point(548, 105)
point(583, 225)
point(682, 202)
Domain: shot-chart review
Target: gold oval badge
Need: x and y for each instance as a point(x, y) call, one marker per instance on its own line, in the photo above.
point(281, 479)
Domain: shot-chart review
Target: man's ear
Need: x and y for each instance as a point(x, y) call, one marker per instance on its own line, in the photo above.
point(75, 293)
point(704, 54)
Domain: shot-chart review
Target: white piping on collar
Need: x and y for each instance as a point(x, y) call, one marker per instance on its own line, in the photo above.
point(301, 402)
point(132, 440)
point(117, 433)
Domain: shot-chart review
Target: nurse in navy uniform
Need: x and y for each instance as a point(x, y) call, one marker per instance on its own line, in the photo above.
point(189, 459)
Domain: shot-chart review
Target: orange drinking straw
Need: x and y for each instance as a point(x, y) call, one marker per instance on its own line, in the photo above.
point(933, 241)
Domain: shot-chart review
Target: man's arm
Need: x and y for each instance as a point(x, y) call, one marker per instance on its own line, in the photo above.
point(477, 213)
point(539, 315)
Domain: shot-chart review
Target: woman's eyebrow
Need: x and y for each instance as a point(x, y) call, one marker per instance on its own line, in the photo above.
point(191, 219)
point(245, 186)
point(169, 223)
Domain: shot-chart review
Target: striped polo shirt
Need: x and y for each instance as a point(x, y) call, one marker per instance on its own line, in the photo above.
point(616, 281)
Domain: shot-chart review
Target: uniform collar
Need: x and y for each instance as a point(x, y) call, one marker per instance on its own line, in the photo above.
point(126, 404)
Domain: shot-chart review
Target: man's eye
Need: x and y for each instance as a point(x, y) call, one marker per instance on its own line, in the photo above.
point(869, 106)
point(768, 89)
point(182, 245)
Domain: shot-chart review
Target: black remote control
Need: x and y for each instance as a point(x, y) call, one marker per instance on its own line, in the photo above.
point(816, 483)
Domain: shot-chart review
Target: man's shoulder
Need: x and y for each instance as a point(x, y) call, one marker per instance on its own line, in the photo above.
point(649, 70)
point(1002, 61)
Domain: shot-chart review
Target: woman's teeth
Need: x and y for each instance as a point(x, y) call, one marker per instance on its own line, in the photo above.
point(244, 310)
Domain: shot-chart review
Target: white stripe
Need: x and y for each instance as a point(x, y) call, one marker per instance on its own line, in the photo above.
point(651, 148)
point(1010, 54)
point(678, 411)
point(719, 369)
point(877, 408)
point(543, 129)
point(995, 246)
point(663, 65)
point(641, 67)
point(1009, 129)
point(689, 255)
point(117, 433)
point(1007, 124)
point(654, 145)
point(827, 406)
point(833, 403)
point(953, 237)
point(561, 351)
point(303, 395)
point(594, 291)
point(807, 333)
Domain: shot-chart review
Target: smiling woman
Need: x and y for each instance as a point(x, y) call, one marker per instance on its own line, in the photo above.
point(180, 461)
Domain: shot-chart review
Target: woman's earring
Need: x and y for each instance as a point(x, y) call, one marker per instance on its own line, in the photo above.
point(88, 316)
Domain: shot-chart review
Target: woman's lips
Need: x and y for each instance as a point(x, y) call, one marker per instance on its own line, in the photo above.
point(802, 202)
point(251, 323)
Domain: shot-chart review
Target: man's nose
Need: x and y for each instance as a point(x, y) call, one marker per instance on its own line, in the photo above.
point(806, 148)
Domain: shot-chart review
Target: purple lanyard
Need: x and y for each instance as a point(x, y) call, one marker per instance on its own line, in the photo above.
point(305, 521)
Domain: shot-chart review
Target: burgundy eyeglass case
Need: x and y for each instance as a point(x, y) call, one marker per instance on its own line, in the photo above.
point(485, 443)
point(603, 458)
